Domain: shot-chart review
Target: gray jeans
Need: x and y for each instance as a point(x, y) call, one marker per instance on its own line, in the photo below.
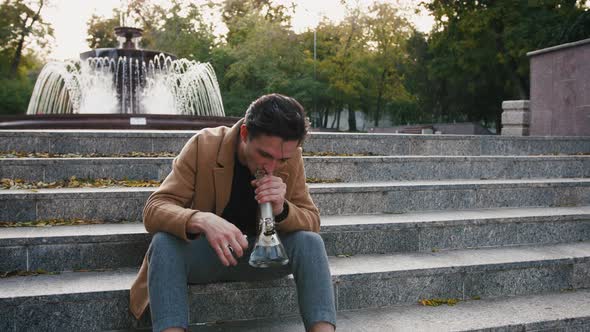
point(174, 263)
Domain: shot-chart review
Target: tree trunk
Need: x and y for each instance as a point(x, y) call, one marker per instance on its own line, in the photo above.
point(17, 56)
point(351, 119)
point(325, 124)
point(26, 29)
point(380, 97)
point(333, 121)
point(498, 123)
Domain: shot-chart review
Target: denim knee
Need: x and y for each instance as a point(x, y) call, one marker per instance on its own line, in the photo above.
point(163, 242)
point(313, 241)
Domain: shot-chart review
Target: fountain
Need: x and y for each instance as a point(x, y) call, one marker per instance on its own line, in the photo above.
point(124, 87)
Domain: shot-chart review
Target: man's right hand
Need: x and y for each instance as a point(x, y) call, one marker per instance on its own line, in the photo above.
point(223, 236)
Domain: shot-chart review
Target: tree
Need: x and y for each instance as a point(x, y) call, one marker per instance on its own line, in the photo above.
point(101, 31)
point(24, 37)
point(340, 65)
point(269, 59)
point(387, 33)
point(478, 50)
point(22, 27)
point(178, 28)
point(240, 15)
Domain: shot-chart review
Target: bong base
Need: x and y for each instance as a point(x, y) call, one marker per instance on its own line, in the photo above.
point(262, 256)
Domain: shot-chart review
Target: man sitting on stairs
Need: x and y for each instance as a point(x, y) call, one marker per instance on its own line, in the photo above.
point(200, 213)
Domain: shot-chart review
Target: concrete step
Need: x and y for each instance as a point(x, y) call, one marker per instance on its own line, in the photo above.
point(564, 311)
point(112, 246)
point(346, 169)
point(118, 141)
point(115, 203)
point(98, 301)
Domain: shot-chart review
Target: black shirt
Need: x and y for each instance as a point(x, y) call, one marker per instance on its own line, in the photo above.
point(242, 208)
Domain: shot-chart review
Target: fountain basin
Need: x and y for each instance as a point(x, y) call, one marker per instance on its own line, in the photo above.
point(114, 121)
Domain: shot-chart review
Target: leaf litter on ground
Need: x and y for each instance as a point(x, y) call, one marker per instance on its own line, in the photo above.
point(336, 154)
point(21, 273)
point(74, 182)
point(437, 302)
point(51, 222)
point(26, 154)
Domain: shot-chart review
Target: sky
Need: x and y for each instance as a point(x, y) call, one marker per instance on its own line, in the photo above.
point(69, 18)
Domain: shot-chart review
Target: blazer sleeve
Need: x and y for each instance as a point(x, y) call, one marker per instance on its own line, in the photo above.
point(303, 215)
point(166, 209)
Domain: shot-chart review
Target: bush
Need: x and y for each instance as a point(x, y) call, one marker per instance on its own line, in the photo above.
point(15, 95)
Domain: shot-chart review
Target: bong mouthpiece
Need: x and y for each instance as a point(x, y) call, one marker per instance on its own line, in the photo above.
point(265, 208)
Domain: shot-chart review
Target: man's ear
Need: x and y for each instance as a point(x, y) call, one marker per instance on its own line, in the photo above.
point(244, 133)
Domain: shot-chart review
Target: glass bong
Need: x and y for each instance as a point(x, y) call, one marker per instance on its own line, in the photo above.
point(268, 250)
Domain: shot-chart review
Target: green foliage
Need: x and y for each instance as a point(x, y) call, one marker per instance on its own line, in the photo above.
point(101, 31)
point(373, 61)
point(14, 95)
point(22, 30)
point(22, 27)
point(477, 52)
point(178, 28)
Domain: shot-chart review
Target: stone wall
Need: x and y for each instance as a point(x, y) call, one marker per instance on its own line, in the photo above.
point(560, 90)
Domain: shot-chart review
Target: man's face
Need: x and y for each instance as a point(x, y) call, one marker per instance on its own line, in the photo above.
point(266, 152)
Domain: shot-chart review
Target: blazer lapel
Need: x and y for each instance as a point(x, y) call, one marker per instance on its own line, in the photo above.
point(223, 181)
point(224, 174)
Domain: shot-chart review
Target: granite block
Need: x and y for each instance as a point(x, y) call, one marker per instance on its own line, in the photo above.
point(32, 173)
point(164, 170)
point(29, 142)
point(553, 232)
point(350, 202)
point(442, 146)
point(98, 169)
point(515, 104)
point(128, 209)
point(518, 281)
point(7, 318)
point(515, 197)
point(144, 322)
point(245, 303)
point(370, 241)
point(372, 293)
point(357, 143)
point(170, 144)
point(516, 118)
point(572, 196)
point(399, 201)
point(491, 235)
point(468, 236)
point(78, 256)
point(563, 116)
point(582, 118)
point(577, 324)
point(581, 278)
point(515, 130)
point(48, 314)
point(61, 209)
point(13, 258)
point(17, 209)
point(102, 144)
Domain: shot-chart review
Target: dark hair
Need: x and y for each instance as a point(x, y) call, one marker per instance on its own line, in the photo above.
point(277, 115)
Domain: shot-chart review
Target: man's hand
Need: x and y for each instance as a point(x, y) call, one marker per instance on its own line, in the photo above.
point(271, 189)
point(224, 237)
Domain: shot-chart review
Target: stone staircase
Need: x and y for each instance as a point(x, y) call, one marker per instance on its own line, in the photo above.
point(500, 223)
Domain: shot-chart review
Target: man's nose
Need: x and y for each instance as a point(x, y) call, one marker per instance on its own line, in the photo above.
point(270, 166)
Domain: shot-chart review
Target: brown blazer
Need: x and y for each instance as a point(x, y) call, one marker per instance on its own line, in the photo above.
point(201, 180)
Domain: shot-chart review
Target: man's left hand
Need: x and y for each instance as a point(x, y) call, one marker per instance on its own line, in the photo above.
point(271, 189)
